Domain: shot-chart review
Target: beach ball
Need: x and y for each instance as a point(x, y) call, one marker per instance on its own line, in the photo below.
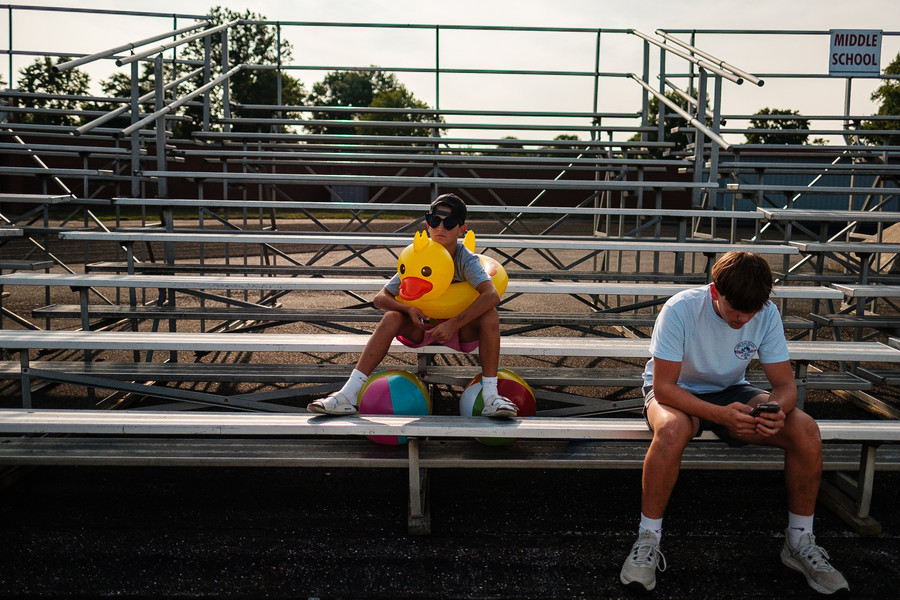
point(393, 392)
point(509, 385)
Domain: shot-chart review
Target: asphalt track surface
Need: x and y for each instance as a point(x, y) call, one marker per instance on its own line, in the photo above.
point(151, 532)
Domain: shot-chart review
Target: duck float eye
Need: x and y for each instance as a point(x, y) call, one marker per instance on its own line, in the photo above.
point(402, 269)
point(426, 271)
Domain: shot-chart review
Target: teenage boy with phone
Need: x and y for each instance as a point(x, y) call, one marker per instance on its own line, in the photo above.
point(701, 346)
point(477, 326)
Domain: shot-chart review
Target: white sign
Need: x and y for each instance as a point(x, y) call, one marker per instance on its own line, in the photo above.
point(855, 53)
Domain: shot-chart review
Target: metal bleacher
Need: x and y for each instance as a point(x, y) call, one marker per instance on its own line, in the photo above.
point(262, 224)
point(263, 190)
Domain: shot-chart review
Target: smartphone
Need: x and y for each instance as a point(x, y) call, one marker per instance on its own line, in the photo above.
point(765, 407)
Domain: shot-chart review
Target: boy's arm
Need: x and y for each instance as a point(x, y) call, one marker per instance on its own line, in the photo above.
point(387, 301)
point(487, 299)
point(784, 387)
point(666, 390)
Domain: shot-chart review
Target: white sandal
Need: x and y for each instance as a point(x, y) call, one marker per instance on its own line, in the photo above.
point(335, 404)
point(498, 406)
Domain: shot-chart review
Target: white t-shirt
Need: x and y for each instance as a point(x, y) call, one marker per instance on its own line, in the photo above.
point(713, 356)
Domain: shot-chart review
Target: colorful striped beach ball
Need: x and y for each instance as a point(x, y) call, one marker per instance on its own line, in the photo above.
point(510, 385)
point(393, 392)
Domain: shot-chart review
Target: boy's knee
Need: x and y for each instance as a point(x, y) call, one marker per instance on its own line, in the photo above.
point(673, 433)
point(489, 319)
point(803, 431)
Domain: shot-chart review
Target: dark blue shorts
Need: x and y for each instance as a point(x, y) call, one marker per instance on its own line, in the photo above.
point(742, 393)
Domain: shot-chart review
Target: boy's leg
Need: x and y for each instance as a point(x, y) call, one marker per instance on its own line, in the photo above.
point(343, 401)
point(392, 324)
point(486, 329)
point(802, 445)
point(672, 431)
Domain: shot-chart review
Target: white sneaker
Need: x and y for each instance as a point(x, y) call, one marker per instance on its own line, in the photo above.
point(498, 406)
point(812, 561)
point(645, 557)
point(335, 404)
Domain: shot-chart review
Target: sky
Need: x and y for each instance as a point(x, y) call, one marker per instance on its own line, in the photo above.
point(621, 53)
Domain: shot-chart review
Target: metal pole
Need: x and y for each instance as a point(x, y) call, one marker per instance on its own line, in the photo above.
point(714, 153)
point(437, 67)
point(718, 62)
point(848, 84)
point(661, 112)
point(226, 85)
point(435, 190)
point(691, 87)
point(11, 81)
point(162, 190)
point(206, 76)
point(130, 46)
point(135, 135)
point(174, 55)
point(645, 97)
point(278, 71)
point(699, 138)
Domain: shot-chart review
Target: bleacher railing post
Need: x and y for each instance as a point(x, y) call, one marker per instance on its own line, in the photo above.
point(226, 85)
point(699, 137)
point(162, 188)
point(135, 135)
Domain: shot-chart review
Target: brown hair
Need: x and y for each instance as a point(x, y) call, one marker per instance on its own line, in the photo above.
point(744, 278)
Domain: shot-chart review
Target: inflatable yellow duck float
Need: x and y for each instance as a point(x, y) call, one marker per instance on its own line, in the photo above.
point(426, 278)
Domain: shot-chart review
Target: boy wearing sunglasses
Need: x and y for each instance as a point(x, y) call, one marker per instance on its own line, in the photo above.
point(478, 326)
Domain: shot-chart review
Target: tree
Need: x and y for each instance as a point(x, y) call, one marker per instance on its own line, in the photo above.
point(396, 98)
point(118, 85)
point(365, 89)
point(248, 44)
point(556, 150)
point(888, 94)
point(776, 125)
point(39, 78)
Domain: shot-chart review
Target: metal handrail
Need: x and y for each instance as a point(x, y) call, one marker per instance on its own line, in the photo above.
point(693, 59)
point(130, 46)
point(126, 107)
point(685, 115)
point(176, 103)
point(160, 49)
point(721, 63)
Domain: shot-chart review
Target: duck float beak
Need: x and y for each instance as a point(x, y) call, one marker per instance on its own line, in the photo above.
point(413, 288)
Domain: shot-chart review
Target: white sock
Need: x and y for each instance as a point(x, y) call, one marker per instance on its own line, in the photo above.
point(489, 387)
point(354, 384)
point(654, 526)
point(798, 526)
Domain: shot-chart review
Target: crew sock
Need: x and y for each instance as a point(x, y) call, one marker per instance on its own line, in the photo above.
point(654, 526)
point(798, 526)
point(354, 384)
point(489, 388)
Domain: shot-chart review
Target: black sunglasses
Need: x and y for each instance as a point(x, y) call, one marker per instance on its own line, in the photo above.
point(450, 221)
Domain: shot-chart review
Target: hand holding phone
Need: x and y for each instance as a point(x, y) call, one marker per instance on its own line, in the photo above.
point(765, 407)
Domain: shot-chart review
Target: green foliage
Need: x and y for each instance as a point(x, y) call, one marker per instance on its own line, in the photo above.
point(888, 94)
point(38, 77)
point(776, 125)
point(248, 44)
point(555, 150)
point(399, 97)
point(366, 89)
